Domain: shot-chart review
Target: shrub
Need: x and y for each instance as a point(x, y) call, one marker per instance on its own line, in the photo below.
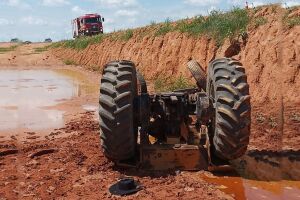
point(259, 21)
point(218, 25)
point(127, 35)
point(69, 62)
point(7, 49)
point(163, 84)
point(164, 28)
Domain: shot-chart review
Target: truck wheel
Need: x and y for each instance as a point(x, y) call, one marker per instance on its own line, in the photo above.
point(228, 91)
point(117, 92)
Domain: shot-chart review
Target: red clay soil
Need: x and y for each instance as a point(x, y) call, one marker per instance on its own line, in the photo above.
point(270, 56)
point(75, 168)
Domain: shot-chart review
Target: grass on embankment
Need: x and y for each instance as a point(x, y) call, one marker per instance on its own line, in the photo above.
point(163, 84)
point(41, 49)
point(292, 20)
point(218, 25)
point(8, 49)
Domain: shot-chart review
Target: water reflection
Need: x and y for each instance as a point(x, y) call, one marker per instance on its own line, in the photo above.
point(26, 96)
point(262, 175)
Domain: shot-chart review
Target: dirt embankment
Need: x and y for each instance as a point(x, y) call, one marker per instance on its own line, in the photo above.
point(270, 54)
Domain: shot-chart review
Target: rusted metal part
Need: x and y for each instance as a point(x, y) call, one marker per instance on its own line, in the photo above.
point(179, 156)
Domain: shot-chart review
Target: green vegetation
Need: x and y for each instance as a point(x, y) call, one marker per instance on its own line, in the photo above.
point(69, 62)
point(162, 84)
point(7, 49)
point(79, 43)
point(291, 21)
point(41, 49)
point(127, 35)
point(94, 68)
point(217, 25)
point(164, 28)
point(259, 21)
point(152, 23)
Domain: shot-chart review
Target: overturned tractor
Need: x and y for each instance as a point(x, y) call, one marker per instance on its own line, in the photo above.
point(188, 129)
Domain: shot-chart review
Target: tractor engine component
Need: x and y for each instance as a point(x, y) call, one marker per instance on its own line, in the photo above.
point(168, 111)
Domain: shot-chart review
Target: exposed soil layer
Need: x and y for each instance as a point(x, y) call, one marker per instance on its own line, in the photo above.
point(270, 54)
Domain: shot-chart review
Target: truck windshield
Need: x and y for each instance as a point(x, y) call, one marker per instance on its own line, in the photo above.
point(92, 20)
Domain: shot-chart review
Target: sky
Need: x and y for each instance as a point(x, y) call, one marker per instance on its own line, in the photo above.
point(36, 20)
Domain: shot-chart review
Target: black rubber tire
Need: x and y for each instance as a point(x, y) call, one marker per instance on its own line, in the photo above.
point(198, 73)
point(228, 89)
point(117, 124)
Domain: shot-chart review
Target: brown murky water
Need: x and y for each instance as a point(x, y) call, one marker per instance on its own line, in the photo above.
point(262, 175)
point(29, 97)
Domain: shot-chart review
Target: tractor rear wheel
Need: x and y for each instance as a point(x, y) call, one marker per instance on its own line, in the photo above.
point(117, 92)
point(228, 91)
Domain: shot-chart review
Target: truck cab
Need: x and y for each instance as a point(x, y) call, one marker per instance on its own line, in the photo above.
point(88, 25)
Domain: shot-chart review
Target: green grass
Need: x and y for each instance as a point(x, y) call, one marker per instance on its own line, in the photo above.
point(290, 22)
point(7, 49)
point(94, 68)
point(79, 43)
point(41, 49)
point(293, 21)
point(127, 35)
point(259, 21)
point(163, 84)
point(69, 62)
point(218, 25)
point(164, 28)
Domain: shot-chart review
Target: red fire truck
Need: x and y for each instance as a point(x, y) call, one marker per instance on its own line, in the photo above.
point(89, 24)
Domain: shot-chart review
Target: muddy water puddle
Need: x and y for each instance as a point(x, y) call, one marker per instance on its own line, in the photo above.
point(29, 99)
point(261, 175)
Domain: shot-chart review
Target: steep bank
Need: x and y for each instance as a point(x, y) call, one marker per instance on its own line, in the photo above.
point(269, 52)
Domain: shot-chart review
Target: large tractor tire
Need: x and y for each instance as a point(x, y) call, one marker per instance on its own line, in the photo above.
point(228, 91)
point(117, 92)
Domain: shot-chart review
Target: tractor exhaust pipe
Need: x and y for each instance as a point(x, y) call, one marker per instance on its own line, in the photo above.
point(198, 73)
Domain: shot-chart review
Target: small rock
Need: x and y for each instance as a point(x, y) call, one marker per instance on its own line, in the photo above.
point(32, 163)
point(221, 187)
point(22, 184)
point(189, 189)
point(28, 195)
point(13, 137)
point(51, 188)
point(53, 171)
point(27, 176)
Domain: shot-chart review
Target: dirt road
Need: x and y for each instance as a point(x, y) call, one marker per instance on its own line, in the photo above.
point(50, 148)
